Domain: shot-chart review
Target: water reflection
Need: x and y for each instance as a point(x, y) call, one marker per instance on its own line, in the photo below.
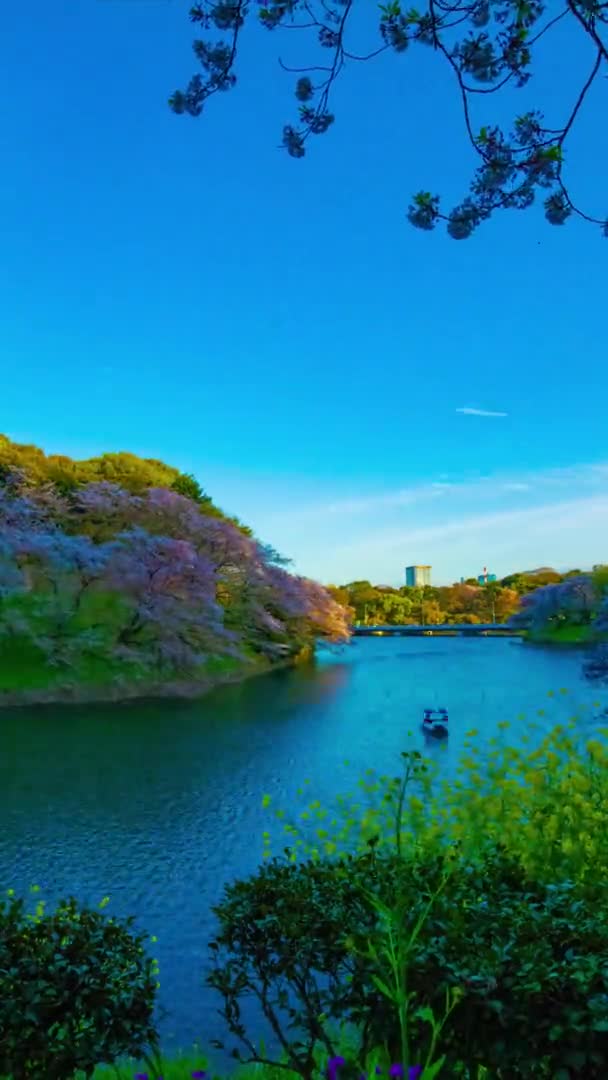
point(158, 804)
point(595, 664)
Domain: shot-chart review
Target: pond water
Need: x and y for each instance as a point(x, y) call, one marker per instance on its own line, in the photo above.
point(158, 804)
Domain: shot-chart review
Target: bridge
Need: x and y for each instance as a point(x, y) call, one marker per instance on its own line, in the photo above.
point(443, 629)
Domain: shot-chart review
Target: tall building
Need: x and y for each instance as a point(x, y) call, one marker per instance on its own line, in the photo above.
point(418, 575)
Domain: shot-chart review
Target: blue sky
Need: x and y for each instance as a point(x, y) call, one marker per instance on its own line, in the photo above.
point(182, 289)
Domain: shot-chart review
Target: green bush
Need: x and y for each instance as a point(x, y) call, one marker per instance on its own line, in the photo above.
point(532, 962)
point(529, 960)
point(77, 990)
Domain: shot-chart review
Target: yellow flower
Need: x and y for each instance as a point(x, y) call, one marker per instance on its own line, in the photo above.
point(594, 749)
point(266, 800)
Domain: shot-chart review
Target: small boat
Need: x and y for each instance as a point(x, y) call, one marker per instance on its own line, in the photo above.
point(435, 722)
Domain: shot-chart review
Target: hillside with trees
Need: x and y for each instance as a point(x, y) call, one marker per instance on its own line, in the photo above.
point(118, 574)
point(33, 468)
point(575, 609)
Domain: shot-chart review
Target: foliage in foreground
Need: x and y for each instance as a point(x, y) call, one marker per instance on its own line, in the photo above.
point(461, 926)
point(486, 45)
point(546, 802)
point(517, 969)
point(77, 989)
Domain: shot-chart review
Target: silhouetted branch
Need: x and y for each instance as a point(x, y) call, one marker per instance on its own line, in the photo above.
point(496, 50)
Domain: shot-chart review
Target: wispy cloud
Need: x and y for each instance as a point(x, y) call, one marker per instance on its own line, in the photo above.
point(552, 516)
point(446, 496)
point(567, 534)
point(572, 515)
point(480, 412)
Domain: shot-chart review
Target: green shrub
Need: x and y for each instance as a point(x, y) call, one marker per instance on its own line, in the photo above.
point(77, 990)
point(529, 961)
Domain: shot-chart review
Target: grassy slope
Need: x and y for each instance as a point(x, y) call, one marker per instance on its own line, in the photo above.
point(23, 667)
point(18, 671)
point(567, 635)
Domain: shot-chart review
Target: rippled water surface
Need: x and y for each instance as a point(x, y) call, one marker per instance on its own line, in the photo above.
point(159, 804)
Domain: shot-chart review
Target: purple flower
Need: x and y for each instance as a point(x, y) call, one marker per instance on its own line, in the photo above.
point(199, 1074)
point(396, 1070)
point(378, 1070)
point(414, 1072)
point(333, 1065)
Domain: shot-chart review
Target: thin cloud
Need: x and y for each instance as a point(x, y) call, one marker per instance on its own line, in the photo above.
point(480, 412)
point(450, 495)
point(572, 514)
point(387, 500)
point(566, 533)
point(507, 520)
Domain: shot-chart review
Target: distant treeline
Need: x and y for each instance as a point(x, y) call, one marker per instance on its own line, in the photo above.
point(121, 568)
point(466, 602)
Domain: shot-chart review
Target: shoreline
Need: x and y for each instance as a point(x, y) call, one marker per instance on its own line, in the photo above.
point(575, 637)
point(170, 690)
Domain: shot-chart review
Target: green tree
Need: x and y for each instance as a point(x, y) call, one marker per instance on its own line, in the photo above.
point(364, 598)
point(457, 600)
point(314, 934)
point(506, 604)
point(27, 466)
point(488, 596)
point(186, 484)
point(487, 47)
point(132, 473)
point(78, 989)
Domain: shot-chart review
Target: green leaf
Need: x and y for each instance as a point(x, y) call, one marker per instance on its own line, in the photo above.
point(433, 1070)
point(425, 1014)
point(383, 988)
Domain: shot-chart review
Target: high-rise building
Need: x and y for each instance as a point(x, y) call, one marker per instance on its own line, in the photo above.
point(418, 575)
